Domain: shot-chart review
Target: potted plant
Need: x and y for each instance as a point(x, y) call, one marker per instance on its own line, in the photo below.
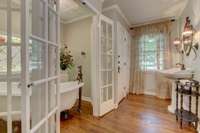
point(66, 63)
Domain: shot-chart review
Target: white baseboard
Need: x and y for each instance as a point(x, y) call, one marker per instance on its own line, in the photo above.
point(150, 93)
point(87, 99)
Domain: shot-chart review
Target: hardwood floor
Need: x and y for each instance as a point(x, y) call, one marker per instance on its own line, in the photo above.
point(136, 114)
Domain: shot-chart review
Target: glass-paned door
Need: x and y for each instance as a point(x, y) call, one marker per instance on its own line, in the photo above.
point(10, 66)
point(106, 72)
point(41, 47)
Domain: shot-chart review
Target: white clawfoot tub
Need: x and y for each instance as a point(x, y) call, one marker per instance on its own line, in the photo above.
point(69, 94)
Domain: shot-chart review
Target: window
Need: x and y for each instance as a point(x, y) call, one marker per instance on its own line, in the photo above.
point(16, 59)
point(151, 52)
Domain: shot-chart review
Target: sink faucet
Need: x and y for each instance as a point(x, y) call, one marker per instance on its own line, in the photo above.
point(181, 65)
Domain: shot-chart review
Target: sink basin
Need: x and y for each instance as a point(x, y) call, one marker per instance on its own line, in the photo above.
point(176, 73)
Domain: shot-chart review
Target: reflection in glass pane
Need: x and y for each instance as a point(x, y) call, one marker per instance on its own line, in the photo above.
point(109, 31)
point(52, 89)
point(37, 60)
point(52, 60)
point(103, 29)
point(109, 47)
point(109, 62)
point(16, 124)
point(110, 93)
point(104, 94)
point(16, 27)
point(52, 124)
point(3, 27)
point(103, 62)
point(104, 78)
point(3, 3)
point(103, 45)
point(38, 15)
point(110, 78)
point(3, 106)
point(3, 59)
point(52, 27)
point(16, 96)
point(16, 59)
point(37, 104)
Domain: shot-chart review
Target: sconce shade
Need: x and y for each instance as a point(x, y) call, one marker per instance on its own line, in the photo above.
point(177, 41)
point(185, 44)
point(188, 28)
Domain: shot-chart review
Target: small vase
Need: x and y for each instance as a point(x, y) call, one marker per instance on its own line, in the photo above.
point(64, 76)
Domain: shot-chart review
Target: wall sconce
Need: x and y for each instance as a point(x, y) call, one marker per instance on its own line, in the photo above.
point(185, 44)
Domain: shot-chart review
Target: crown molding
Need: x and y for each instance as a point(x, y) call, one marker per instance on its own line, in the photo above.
point(118, 9)
point(76, 19)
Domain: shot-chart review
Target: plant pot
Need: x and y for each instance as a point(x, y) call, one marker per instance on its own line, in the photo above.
point(64, 76)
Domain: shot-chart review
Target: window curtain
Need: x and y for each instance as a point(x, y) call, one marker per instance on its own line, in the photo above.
point(151, 52)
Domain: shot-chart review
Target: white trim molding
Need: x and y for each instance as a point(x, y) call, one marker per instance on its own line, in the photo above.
point(76, 19)
point(118, 9)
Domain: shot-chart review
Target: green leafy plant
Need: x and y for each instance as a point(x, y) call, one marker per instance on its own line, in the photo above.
point(66, 59)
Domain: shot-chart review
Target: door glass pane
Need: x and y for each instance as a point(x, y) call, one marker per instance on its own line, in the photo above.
point(52, 27)
point(37, 104)
point(52, 89)
point(104, 94)
point(3, 60)
point(109, 62)
point(3, 123)
point(110, 92)
point(103, 29)
point(16, 107)
point(3, 3)
point(103, 78)
point(37, 60)
point(16, 27)
point(37, 18)
point(3, 106)
point(52, 60)
point(110, 79)
point(109, 47)
point(109, 31)
point(52, 124)
point(103, 61)
point(16, 60)
point(3, 27)
point(103, 45)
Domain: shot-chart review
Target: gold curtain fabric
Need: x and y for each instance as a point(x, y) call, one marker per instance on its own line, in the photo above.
point(160, 56)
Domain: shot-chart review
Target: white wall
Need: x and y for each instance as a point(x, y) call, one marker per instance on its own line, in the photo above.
point(77, 36)
point(193, 10)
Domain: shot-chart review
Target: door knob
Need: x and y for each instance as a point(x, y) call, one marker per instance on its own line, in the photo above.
point(118, 69)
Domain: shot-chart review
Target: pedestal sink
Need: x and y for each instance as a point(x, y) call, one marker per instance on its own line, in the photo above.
point(176, 74)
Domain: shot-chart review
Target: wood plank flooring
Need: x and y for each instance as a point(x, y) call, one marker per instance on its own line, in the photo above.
point(136, 114)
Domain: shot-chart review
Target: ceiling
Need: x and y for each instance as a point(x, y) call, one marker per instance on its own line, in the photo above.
point(143, 11)
point(72, 10)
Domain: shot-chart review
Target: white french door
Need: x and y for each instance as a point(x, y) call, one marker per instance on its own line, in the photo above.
point(40, 66)
point(29, 66)
point(106, 67)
